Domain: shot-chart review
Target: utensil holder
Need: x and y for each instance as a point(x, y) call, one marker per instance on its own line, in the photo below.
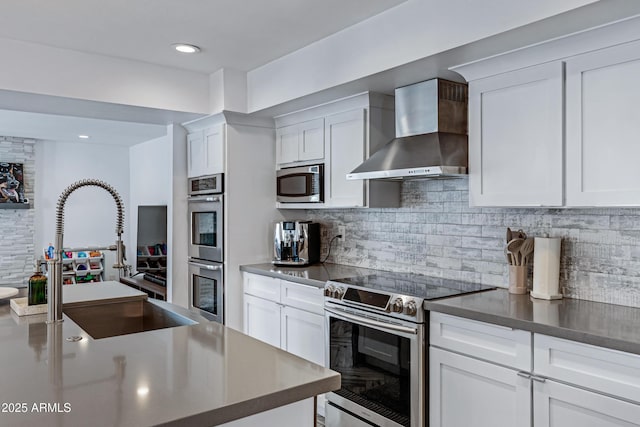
point(518, 279)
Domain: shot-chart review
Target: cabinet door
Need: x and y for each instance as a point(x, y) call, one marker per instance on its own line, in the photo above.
point(262, 319)
point(287, 144)
point(214, 146)
point(303, 334)
point(196, 154)
point(603, 124)
point(345, 146)
point(311, 140)
point(468, 392)
point(560, 405)
point(516, 138)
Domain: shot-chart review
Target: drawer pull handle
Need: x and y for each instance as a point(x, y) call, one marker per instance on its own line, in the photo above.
point(524, 375)
point(538, 379)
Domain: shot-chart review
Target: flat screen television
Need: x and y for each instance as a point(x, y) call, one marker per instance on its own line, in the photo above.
point(151, 251)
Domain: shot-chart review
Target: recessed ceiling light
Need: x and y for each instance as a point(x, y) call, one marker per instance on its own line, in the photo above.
point(186, 48)
point(83, 136)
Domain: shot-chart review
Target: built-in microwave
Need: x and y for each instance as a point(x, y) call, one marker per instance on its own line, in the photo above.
point(301, 184)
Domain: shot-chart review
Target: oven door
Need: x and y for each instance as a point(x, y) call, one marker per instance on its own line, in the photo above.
point(382, 365)
point(205, 223)
point(206, 287)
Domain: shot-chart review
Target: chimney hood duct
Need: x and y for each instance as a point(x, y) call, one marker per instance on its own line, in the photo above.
point(431, 135)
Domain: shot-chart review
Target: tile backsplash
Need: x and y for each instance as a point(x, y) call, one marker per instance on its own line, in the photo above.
point(435, 232)
point(17, 237)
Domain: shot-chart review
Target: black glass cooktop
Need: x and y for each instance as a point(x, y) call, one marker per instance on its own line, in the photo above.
point(414, 285)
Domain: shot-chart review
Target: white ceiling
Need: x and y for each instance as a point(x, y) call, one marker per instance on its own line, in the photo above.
point(238, 34)
point(67, 128)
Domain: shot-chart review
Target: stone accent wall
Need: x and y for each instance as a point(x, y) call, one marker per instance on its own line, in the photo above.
point(17, 236)
point(435, 232)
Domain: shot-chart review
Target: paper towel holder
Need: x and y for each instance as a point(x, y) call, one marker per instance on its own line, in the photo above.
point(546, 268)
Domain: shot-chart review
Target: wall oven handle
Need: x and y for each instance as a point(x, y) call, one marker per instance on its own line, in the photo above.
point(206, 266)
point(371, 322)
point(202, 199)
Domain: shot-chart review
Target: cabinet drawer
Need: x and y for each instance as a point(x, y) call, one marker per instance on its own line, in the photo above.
point(497, 344)
point(608, 371)
point(308, 298)
point(262, 286)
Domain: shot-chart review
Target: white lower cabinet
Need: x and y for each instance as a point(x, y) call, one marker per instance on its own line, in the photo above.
point(302, 333)
point(262, 319)
point(561, 405)
point(475, 381)
point(287, 315)
point(469, 392)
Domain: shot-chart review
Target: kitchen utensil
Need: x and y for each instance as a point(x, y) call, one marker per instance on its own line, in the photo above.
point(520, 234)
point(513, 247)
point(509, 235)
point(508, 255)
point(526, 250)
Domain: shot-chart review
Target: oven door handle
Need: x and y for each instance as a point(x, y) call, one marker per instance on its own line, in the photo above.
point(203, 199)
point(205, 266)
point(370, 322)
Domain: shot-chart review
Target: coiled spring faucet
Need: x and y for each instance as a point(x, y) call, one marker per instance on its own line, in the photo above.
point(54, 287)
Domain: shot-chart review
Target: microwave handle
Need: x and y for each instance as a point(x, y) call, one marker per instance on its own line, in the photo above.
point(205, 266)
point(204, 199)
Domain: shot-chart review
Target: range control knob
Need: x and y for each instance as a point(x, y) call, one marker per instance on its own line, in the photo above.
point(329, 290)
point(397, 306)
point(338, 293)
point(411, 308)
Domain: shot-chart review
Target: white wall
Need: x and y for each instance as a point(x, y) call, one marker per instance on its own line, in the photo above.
point(150, 183)
point(90, 212)
point(412, 30)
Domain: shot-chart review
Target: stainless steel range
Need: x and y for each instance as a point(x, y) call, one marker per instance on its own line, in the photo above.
point(376, 339)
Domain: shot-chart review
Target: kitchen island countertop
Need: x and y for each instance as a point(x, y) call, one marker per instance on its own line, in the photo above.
point(197, 375)
point(605, 325)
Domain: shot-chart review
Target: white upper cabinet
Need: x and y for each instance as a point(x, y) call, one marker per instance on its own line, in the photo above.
point(300, 142)
point(340, 135)
point(577, 95)
point(205, 152)
point(196, 154)
point(345, 144)
point(515, 141)
point(603, 127)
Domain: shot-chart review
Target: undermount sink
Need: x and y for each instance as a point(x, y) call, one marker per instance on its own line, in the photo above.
point(102, 320)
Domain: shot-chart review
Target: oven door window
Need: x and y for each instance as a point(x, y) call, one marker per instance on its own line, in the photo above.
point(205, 294)
point(204, 229)
point(375, 368)
point(295, 185)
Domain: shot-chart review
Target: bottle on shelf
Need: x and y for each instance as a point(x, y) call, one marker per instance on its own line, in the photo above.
point(37, 287)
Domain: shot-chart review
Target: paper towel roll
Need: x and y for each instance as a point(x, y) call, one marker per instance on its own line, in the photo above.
point(546, 268)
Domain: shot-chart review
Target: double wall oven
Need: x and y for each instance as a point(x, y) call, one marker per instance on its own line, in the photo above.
point(377, 340)
point(206, 254)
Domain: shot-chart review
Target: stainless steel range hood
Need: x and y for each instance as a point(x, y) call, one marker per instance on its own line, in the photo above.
point(431, 135)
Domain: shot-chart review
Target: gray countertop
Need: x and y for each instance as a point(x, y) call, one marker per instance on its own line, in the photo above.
point(313, 275)
point(198, 375)
point(605, 325)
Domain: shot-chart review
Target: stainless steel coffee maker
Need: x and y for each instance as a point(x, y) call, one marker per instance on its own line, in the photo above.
point(296, 243)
